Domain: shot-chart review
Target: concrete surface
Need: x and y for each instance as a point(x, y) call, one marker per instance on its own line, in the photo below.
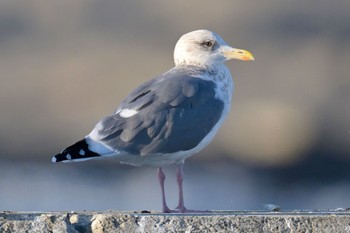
point(221, 221)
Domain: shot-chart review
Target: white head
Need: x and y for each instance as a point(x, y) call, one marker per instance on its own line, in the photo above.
point(204, 48)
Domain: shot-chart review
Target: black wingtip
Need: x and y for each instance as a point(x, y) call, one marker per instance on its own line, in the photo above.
point(59, 158)
point(77, 151)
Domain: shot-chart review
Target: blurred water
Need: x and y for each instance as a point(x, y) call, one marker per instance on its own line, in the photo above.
point(106, 185)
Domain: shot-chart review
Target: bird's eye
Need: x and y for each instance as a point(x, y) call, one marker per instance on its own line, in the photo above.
point(207, 44)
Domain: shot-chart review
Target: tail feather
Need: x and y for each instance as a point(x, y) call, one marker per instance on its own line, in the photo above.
point(78, 151)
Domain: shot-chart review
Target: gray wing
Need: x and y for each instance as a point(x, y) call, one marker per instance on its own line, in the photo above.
point(174, 113)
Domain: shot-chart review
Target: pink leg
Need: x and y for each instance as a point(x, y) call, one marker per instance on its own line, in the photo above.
point(161, 177)
point(181, 206)
point(180, 177)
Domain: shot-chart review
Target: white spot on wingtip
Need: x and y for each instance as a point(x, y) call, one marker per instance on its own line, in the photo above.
point(54, 160)
point(126, 113)
point(82, 152)
point(68, 156)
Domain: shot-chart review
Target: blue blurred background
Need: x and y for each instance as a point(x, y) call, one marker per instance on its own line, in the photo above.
point(66, 64)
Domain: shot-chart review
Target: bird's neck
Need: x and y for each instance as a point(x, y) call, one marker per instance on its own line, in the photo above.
point(224, 80)
point(207, 68)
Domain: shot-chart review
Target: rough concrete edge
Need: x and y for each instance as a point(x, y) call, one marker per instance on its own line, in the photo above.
point(233, 221)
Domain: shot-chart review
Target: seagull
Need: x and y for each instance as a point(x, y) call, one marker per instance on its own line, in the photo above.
point(171, 117)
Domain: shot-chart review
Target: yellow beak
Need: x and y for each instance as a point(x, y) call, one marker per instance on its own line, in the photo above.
point(239, 54)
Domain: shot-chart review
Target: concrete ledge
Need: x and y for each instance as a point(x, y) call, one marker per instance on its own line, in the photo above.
point(221, 221)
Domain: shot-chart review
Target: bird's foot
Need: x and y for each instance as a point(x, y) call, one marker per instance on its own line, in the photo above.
point(168, 210)
point(183, 209)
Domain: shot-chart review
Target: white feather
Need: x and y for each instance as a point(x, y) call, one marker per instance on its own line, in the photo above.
point(126, 113)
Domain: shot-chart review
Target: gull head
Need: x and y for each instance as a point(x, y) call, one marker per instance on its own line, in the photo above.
point(205, 49)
